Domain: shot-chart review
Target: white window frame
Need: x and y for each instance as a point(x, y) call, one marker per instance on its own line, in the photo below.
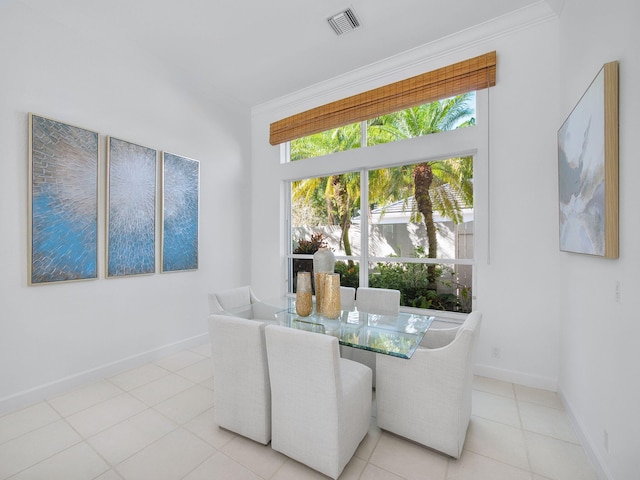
point(472, 141)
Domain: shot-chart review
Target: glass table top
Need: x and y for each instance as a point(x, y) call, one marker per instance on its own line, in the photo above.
point(398, 335)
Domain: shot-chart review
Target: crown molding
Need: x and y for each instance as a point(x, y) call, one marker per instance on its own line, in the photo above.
point(430, 56)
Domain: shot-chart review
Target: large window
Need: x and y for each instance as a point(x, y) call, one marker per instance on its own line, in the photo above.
point(418, 230)
point(408, 226)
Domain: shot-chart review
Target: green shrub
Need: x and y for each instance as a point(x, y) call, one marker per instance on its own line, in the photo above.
point(412, 280)
point(349, 274)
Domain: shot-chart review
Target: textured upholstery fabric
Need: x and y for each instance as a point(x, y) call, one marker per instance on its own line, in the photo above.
point(427, 398)
point(242, 392)
point(436, 338)
point(241, 302)
point(347, 298)
point(382, 301)
point(231, 299)
point(321, 404)
point(347, 302)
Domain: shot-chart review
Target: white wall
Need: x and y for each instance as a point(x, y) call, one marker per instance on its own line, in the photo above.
point(600, 358)
point(56, 335)
point(518, 287)
point(517, 281)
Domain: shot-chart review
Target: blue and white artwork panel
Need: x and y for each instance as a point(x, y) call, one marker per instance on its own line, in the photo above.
point(180, 210)
point(131, 213)
point(63, 202)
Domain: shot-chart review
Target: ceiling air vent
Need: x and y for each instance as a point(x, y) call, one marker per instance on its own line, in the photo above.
point(344, 22)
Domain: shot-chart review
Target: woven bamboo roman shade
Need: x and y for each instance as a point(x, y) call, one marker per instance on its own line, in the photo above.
point(469, 75)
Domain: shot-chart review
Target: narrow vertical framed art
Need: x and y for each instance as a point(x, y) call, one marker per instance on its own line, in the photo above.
point(131, 209)
point(180, 211)
point(63, 202)
point(588, 170)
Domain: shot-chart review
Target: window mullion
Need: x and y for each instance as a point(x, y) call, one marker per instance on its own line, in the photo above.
point(288, 248)
point(364, 140)
point(364, 228)
point(423, 260)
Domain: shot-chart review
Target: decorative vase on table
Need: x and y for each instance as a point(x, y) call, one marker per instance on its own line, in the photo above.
point(331, 306)
point(324, 262)
point(304, 294)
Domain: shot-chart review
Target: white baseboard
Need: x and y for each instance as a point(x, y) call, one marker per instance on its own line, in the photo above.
point(587, 443)
point(22, 399)
point(533, 381)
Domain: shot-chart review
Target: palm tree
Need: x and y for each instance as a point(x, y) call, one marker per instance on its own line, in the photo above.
point(336, 199)
point(338, 195)
point(443, 186)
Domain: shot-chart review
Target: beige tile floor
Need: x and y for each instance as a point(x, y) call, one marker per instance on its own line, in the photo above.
point(155, 422)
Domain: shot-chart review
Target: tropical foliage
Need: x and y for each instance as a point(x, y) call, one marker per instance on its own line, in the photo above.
point(413, 279)
point(444, 186)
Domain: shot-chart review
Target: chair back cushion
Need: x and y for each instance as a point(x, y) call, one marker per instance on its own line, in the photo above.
point(321, 404)
point(304, 368)
point(214, 304)
point(347, 298)
point(234, 298)
point(382, 301)
point(242, 394)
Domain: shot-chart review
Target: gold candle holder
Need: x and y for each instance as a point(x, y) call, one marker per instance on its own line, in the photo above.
point(331, 302)
point(304, 294)
point(319, 280)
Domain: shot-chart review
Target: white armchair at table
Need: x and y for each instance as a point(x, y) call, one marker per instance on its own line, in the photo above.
point(241, 302)
point(427, 398)
point(321, 403)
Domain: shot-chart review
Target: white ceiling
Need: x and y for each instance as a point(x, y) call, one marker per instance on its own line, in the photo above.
point(253, 51)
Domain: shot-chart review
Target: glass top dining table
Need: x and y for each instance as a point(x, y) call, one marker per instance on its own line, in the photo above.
point(398, 335)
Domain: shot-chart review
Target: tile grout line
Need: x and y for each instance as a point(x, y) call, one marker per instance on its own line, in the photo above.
point(48, 400)
point(215, 450)
point(85, 440)
point(44, 401)
point(63, 419)
point(522, 431)
point(108, 379)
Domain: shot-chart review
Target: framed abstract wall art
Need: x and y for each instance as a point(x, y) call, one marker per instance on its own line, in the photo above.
point(588, 170)
point(131, 208)
point(63, 202)
point(180, 205)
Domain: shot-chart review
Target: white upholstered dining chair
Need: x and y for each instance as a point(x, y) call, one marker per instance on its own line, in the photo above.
point(382, 301)
point(241, 388)
point(347, 298)
point(427, 398)
point(240, 302)
point(321, 403)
